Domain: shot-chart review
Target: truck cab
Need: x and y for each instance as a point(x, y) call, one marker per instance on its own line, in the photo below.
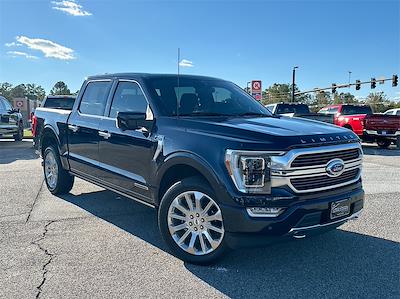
point(348, 116)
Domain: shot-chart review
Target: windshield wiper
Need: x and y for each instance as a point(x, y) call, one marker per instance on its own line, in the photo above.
point(254, 114)
point(204, 113)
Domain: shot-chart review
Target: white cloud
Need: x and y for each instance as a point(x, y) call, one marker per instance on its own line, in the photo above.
point(21, 54)
point(12, 44)
point(186, 63)
point(47, 47)
point(71, 7)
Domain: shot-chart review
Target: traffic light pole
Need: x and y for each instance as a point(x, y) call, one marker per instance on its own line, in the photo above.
point(341, 86)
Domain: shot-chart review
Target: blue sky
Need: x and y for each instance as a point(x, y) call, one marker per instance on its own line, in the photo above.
point(46, 41)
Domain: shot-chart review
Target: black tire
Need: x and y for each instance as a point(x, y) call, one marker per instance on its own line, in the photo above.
point(20, 135)
point(65, 181)
point(383, 143)
point(187, 184)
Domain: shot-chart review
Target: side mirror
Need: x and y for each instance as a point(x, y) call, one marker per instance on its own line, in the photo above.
point(133, 121)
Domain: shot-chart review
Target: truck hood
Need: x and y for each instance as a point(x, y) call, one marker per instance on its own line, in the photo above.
point(292, 130)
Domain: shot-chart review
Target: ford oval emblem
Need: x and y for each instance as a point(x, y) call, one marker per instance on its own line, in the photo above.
point(335, 167)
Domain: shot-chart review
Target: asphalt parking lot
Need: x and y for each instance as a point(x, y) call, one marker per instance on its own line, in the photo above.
point(95, 243)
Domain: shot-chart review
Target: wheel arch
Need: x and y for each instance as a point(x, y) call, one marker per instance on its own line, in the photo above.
point(183, 165)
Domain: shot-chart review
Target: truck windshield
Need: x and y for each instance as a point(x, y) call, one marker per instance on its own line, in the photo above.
point(293, 108)
point(203, 97)
point(352, 109)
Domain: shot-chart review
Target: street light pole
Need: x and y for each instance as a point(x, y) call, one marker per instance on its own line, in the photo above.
point(248, 88)
point(349, 78)
point(293, 81)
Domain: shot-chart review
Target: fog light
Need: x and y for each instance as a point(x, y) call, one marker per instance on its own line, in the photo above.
point(264, 212)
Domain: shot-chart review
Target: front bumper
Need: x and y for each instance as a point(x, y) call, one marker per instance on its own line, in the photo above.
point(303, 217)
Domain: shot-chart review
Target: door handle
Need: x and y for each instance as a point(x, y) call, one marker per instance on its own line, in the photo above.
point(73, 128)
point(105, 135)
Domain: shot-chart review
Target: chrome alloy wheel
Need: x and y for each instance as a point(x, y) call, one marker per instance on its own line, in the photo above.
point(195, 223)
point(51, 170)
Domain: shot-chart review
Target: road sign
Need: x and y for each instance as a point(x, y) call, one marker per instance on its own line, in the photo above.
point(256, 90)
point(256, 86)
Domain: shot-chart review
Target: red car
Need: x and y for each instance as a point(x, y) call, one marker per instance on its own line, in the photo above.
point(349, 116)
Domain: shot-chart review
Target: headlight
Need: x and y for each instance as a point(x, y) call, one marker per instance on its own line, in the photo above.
point(250, 170)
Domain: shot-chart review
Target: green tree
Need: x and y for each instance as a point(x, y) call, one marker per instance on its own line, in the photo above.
point(19, 91)
point(35, 92)
point(378, 101)
point(277, 93)
point(344, 98)
point(60, 88)
point(5, 90)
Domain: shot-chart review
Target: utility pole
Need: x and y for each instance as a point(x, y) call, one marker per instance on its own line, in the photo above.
point(349, 78)
point(248, 88)
point(293, 81)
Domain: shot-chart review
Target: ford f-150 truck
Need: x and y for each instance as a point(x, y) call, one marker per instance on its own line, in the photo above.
point(11, 122)
point(382, 129)
point(298, 110)
point(220, 169)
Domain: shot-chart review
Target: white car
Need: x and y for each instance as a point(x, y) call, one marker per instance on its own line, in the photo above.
point(393, 112)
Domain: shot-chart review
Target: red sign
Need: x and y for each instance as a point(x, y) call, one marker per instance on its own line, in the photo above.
point(256, 86)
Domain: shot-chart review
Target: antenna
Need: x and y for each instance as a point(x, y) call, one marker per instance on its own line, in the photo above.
point(178, 95)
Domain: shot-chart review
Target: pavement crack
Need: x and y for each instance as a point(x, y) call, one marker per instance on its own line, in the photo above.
point(34, 201)
point(49, 259)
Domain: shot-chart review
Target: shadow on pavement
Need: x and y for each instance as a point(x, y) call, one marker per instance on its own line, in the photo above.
point(11, 151)
point(337, 264)
point(370, 149)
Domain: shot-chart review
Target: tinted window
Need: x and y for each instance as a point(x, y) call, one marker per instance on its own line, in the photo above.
point(333, 110)
point(202, 96)
point(288, 108)
point(128, 98)
point(94, 98)
point(59, 102)
point(350, 109)
point(2, 106)
point(398, 112)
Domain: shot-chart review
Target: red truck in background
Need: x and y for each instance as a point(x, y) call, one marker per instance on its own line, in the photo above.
point(370, 127)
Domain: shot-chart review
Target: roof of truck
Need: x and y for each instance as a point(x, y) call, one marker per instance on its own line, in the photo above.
point(148, 75)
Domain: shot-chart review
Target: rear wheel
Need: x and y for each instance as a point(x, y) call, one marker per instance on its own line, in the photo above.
point(384, 143)
point(20, 135)
point(191, 222)
point(58, 180)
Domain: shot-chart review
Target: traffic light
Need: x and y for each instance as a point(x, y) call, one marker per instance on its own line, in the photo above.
point(395, 80)
point(333, 87)
point(373, 83)
point(358, 84)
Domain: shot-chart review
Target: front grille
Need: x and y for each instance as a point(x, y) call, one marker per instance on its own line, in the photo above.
point(324, 158)
point(323, 181)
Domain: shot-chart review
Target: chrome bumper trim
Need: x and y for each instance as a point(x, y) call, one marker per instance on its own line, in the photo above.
point(305, 228)
point(373, 132)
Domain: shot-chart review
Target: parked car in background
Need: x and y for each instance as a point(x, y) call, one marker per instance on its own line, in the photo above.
point(393, 112)
point(384, 129)
point(11, 122)
point(298, 110)
point(220, 169)
point(63, 102)
point(348, 116)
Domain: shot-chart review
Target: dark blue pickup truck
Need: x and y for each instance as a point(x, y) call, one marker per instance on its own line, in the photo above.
point(220, 169)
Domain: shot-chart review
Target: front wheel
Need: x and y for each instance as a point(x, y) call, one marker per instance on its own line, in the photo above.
point(191, 222)
point(58, 180)
point(384, 143)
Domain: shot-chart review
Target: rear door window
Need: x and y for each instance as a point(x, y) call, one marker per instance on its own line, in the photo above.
point(59, 103)
point(94, 98)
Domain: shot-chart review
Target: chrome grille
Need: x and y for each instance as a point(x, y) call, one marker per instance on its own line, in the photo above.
point(323, 158)
point(321, 181)
point(305, 170)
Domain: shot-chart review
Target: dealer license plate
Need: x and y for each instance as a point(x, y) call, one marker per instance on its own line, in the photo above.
point(340, 208)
